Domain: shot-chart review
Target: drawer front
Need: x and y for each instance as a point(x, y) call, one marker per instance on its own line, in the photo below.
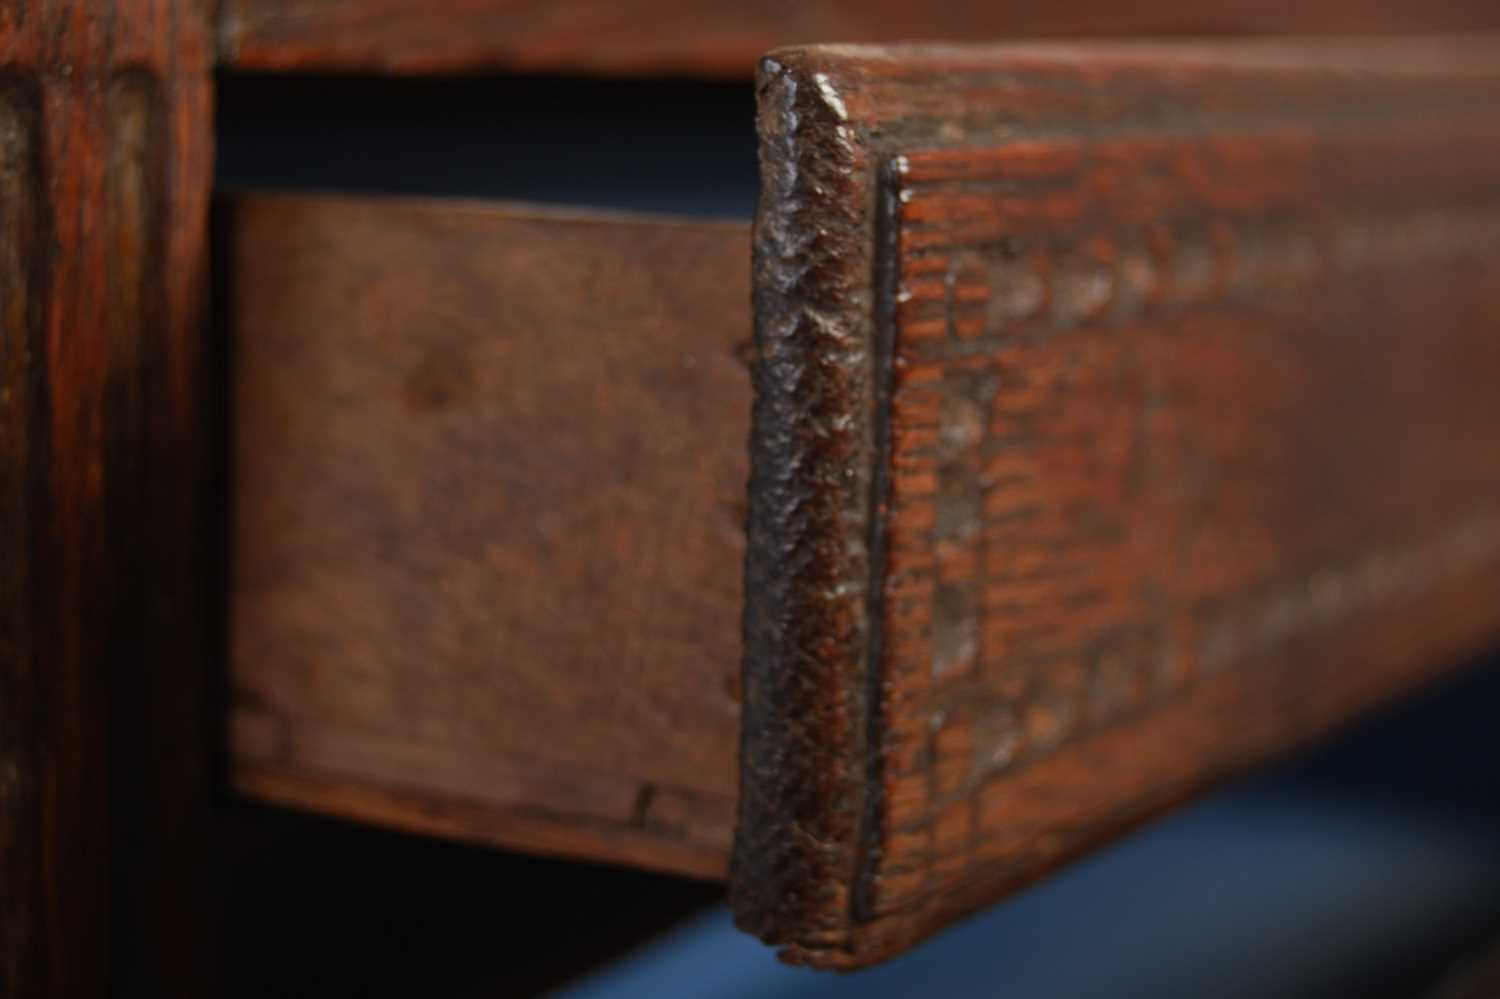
point(1124, 414)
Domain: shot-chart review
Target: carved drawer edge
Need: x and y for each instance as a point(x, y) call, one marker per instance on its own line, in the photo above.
point(842, 130)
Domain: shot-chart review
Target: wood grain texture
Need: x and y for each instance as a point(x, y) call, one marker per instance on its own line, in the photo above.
point(1124, 415)
point(105, 148)
point(704, 38)
point(490, 475)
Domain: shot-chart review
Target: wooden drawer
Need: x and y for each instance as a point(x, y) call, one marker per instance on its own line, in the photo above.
point(1124, 415)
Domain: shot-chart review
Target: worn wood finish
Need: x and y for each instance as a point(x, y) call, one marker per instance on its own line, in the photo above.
point(706, 38)
point(1124, 415)
point(105, 146)
point(490, 474)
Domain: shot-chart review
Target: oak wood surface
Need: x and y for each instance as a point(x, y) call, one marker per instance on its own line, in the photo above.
point(1124, 414)
point(489, 486)
point(706, 38)
point(105, 147)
